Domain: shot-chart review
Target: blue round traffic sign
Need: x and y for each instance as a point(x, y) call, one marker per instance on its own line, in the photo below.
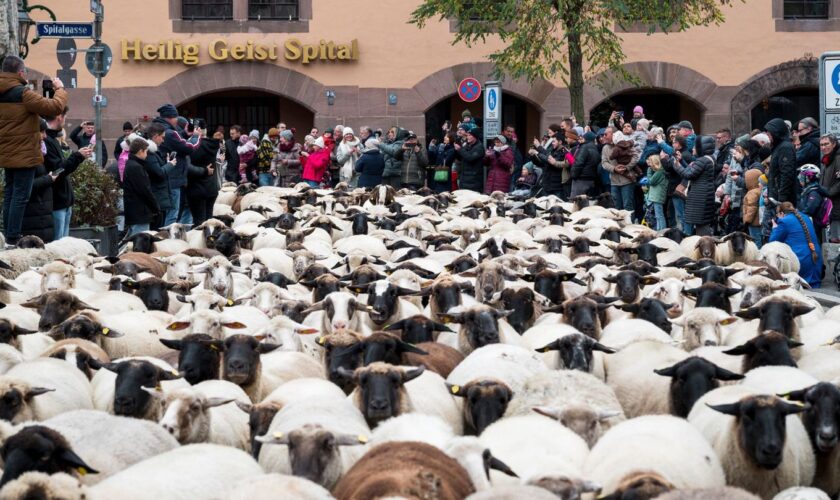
point(835, 78)
point(469, 90)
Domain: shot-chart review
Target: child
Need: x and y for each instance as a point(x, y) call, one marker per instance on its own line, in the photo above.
point(658, 190)
point(813, 194)
point(247, 150)
point(751, 206)
point(526, 181)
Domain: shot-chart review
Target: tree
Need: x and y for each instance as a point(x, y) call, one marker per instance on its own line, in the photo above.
point(547, 38)
point(8, 29)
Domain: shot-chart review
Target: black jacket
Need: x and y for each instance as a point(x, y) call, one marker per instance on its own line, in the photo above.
point(781, 176)
point(809, 149)
point(159, 179)
point(232, 156)
point(700, 202)
point(552, 176)
point(37, 218)
point(199, 183)
point(471, 174)
point(81, 140)
point(370, 165)
point(724, 156)
point(62, 188)
point(140, 203)
point(586, 162)
point(174, 141)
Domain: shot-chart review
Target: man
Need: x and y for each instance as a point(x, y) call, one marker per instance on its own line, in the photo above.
point(20, 138)
point(156, 165)
point(392, 175)
point(414, 162)
point(232, 155)
point(82, 136)
point(724, 145)
point(128, 128)
point(174, 144)
point(808, 131)
point(281, 127)
point(510, 136)
point(782, 185)
point(686, 129)
point(365, 133)
point(471, 154)
point(585, 169)
point(265, 155)
point(622, 183)
point(62, 188)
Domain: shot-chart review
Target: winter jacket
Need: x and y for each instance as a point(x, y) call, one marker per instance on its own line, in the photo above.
point(139, 201)
point(393, 167)
point(62, 188)
point(413, 165)
point(749, 207)
point(232, 158)
point(700, 201)
point(830, 180)
point(724, 156)
point(652, 148)
point(552, 178)
point(173, 141)
point(444, 155)
point(471, 173)
point(346, 158)
point(789, 230)
point(82, 141)
point(732, 187)
point(500, 164)
point(316, 165)
point(585, 167)
point(370, 167)
point(658, 185)
point(610, 164)
point(809, 148)
point(811, 199)
point(265, 156)
point(20, 132)
point(159, 180)
point(37, 218)
point(200, 184)
point(781, 176)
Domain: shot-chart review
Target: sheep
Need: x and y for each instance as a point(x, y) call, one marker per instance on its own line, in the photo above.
point(385, 391)
point(724, 493)
point(763, 453)
point(43, 388)
point(418, 427)
point(9, 357)
point(780, 256)
point(767, 349)
point(77, 353)
point(338, 311)
point(17, 261)
point(699, 247)
point(481, 325)
point(266, 487)
point(115, 302)
point(512, 365)
point(179, 266)
point(703, 326)
point(756, 287)
point(477, 460)
point(201, 414)
point(578, 400)
point(315, 439)
point(405, 469)
point(39, 448)
point(118, 386)
point(666, 446)
point(620, 334)
point(801, 493)
point(736, 247)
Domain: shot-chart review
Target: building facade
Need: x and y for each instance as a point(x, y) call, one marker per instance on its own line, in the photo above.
point(328, 62)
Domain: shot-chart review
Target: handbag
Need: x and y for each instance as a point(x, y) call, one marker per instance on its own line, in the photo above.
point(681, 190)
point(441, 174)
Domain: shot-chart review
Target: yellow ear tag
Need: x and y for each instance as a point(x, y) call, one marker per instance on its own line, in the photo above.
point(321, 341)
point(106, 331)
point(81, 470)
point(278, 435)
point(784, 396)
point(230, 302)
point(173, 372)
point(363, 439)
point(214, 347)
point(455, 389)
point(158, 387)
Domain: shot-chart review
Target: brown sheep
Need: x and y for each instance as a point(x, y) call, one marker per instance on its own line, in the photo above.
point(440, 359)
point(405, 469)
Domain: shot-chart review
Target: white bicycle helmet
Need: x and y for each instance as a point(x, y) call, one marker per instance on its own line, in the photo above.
point(809, 172)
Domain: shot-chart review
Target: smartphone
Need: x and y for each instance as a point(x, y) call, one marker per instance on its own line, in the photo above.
point(57, 172)
point(170, 156)
point(620, 113)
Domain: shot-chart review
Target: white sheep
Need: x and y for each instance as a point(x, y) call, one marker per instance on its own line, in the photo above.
point(777, 379)
point(69, 247)
point(44, 388)
point(780, 256)
point(303, 389)
point(703, 326)
point(421, 427)
point(802, 493)
point(266, 487)
point(784, 449)
point(512, 365)
point(822, 364)
point(661, 444)
point(620, 334)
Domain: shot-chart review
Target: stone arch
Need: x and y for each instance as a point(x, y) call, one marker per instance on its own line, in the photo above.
point(785, 76)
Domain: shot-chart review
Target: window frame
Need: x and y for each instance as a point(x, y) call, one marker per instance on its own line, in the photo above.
point(274, 4)
point(240, 22)
point(228, 16)
point(783, 24)
point(802, 4)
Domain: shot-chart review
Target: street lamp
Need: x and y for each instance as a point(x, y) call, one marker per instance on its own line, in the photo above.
point(25, 22)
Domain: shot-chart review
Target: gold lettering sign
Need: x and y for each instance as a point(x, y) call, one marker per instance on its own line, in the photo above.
point(220, 49)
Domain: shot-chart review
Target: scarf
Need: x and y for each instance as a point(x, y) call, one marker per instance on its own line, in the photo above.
point(500, 148)
point(285, 148)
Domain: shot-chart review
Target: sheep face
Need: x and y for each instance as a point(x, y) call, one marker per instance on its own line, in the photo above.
point(480, 325)
point(204, 300)
point(39, 449)
point(259, 420)
point(575, 351)
point(292, 309)
point(775, 314)
point(77, 357)
point(198, 360)
point(549, 284)
point(418, 328)
point(596, 279)
point(706, 246)
point(57, 276)
point(485, 401)
point(756, 288)
point(130, 400)
point(208, 322)
point(322, 286)
point(142, 242)
point(767, 349)
point(264, 296)
point(55, 307)
point(15, 399)
point(669, 291)
point(821, 418)
point(339, 310)
point(179, 266)
point(219, 278)
point(691, 378)
point(380, 393)
point(314, 452)
point(582, 313)
point(712, 295)
point(83, 326)
point(153, 292)
point(702, 327)
point(462, 264)
point(737, 243)
point(342, 355)
point(445, 294)
point(9, 333)
point(640, 485)
point(187, 414)
point(580, 419)
point(387, 348)
point(241, 360)
point(714, 274)
point(760, 424)
point(383, 299)
point(651, 310)
point(523, 309)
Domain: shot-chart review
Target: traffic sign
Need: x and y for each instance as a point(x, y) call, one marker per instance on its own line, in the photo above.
point(98, 62)
point(492, 110)
point(469, 90)
point(66, 52)
point(830, 92)
point(65, 30)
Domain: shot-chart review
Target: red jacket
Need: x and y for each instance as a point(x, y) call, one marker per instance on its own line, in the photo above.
point(498, 175)
point(316, 165)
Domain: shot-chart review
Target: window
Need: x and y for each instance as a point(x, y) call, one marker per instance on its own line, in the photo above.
point(806, 9)
point(273, 9)
point(206, 9)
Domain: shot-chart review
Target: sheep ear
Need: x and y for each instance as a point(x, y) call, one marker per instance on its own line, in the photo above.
point(790, 408)
point(733, 409)
point(351, 440)
point(69, 458)
point(234, 325)
point(667, 372)
point(36, 391)
point(547, 411)
point(178, 325)
point(456, 390)
point(395, 326)
point(172, 344)
point(650, 280)
point(726, 375)
point(631, 308)
point(500, 466)
point(728, 320)
point(732, 291)
point(214, 402)
point(276, 438)
point(33, 303)
point(167, 375)
point(597, 346)
point(795, 395)
point(800, 309)
point(406, 347)
point(451, 317)
point(410, 375)
point(740, 350)
point(344, 372)
point(751, 313)
point(246, 407)
point(155, 392)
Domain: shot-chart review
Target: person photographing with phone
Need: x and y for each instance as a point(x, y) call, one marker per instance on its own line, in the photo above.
point(157, 164)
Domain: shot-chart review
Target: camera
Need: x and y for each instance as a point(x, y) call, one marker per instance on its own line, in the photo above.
point(47, 89)
point(199, 123)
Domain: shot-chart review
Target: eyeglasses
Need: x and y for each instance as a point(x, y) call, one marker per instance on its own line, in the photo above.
point(825, 144)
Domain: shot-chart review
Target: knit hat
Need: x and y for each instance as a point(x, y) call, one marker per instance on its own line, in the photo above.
point(183, 122)
point(348, 130)
point(685, 124)
point(475, 132)
point(255, 134)
point(572, 134)
point(644, 122)
point(618, 137)
point(287, 134)
point(308, 139)
point(761, 139)
point(273, 132)
point(466, 113)
point(319, 142)
point(763, 179)
point(589, 136)
point(167, 111)
point(501, 139)
point(638, 109)
point(372, 144)
point(578, 130)
point(128, 126)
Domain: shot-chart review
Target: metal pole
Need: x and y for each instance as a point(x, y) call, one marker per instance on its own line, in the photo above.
point(97, 30)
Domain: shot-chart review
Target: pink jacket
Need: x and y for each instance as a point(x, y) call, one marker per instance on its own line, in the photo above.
point(316, 165)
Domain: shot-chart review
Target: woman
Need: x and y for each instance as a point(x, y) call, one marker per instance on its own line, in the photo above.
point(156, 166)
point(444, 158)
point(346, 155)
point(798, 233)
point(700, 197)
point(499, 160)
point(830, 181)
point(317, 163)
point(550, 156)
point(287, 160)
point(141, 207)
point(38, 215)
point(204, 177)
point(370, 165)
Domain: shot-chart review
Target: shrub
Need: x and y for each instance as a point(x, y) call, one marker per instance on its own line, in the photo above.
point(97, 195)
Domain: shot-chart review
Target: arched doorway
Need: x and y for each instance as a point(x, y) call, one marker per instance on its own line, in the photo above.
point(524, 116)
point(793, 105)
point(662, 107)
point(252, 109)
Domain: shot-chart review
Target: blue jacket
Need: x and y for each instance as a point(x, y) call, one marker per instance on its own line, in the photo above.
point(811, 199)
point(371, 165)
point(789, 230)
point(651, 148)
point(174, 142)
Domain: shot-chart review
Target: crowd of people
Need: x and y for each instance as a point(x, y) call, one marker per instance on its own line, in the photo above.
point(171, 170)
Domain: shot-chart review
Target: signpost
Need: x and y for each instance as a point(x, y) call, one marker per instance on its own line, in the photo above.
point(492, 110)
point(101, 65)
point(830, 92)
point(469, 90)
point(65, 30)
point(66, 54)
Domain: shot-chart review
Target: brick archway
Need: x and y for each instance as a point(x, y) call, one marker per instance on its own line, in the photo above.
point(786, 76)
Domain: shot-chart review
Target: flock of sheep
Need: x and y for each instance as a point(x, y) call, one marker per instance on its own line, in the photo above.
point(312, 344)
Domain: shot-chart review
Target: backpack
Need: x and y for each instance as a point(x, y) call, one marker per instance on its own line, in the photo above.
point(823, 216)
